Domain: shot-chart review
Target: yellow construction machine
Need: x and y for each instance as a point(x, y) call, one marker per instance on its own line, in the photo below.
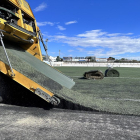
point(20, 52)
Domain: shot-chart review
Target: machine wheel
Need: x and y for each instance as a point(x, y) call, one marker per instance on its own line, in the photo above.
point(55, 101)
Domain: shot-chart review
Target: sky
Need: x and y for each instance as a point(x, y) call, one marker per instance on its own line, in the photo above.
point(80, 28)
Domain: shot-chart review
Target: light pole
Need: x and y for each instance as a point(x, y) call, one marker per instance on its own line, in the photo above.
point(59, 53)
point(47, 59)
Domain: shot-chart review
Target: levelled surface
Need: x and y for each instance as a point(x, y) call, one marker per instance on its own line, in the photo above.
point(22, 123)
point(111, 94)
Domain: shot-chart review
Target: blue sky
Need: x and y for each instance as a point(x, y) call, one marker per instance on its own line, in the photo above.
point(100, 28)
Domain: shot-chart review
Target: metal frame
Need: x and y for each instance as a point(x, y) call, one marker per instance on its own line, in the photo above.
point(1, 39)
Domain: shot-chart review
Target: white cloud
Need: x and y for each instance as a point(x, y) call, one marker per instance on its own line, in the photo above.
point(102, 43)
point(98, 53)
point(41, 7)
point(61, 37)
point(61, 28)
point(133, 58)
point(52, 52)
point(70, 50)
point(80, 49)
point(45, 23)
point(70, 22)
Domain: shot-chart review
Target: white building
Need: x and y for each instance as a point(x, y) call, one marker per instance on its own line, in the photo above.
point(101, 59)
point(79, 59)
point(74, 59)
point(53, 59)
point(67, 58)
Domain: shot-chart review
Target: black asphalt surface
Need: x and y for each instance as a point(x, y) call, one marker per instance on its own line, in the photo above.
point(34, 123)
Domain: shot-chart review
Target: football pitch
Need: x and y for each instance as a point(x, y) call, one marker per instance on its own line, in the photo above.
point(111, 94)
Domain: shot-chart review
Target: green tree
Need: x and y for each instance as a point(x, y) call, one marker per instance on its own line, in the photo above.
point(89, 58)
point(111, 58)
point(122, 59)
point(59, 59)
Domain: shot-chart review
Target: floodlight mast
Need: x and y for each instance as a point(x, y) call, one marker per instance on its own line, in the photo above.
point(46, 50)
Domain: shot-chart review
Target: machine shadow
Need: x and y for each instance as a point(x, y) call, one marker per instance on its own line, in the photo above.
point(12, 93)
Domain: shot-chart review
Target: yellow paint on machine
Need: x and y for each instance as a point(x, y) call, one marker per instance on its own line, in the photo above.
point(23, 80)
point(23, 8)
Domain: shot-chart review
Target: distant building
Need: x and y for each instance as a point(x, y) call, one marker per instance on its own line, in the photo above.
point(79, 59)
point(101, 59)
point(44, 57)
point(67, 58)
point(91, 58)
point(75, 59)
point(53, 59)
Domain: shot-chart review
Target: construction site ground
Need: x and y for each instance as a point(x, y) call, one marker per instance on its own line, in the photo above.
point(32, 123)
point(23, 118)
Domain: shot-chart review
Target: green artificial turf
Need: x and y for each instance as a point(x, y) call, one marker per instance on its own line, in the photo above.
point(33, 68)
point(111, 94)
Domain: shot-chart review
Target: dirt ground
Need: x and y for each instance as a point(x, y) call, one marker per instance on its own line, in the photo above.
point(32, 123)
